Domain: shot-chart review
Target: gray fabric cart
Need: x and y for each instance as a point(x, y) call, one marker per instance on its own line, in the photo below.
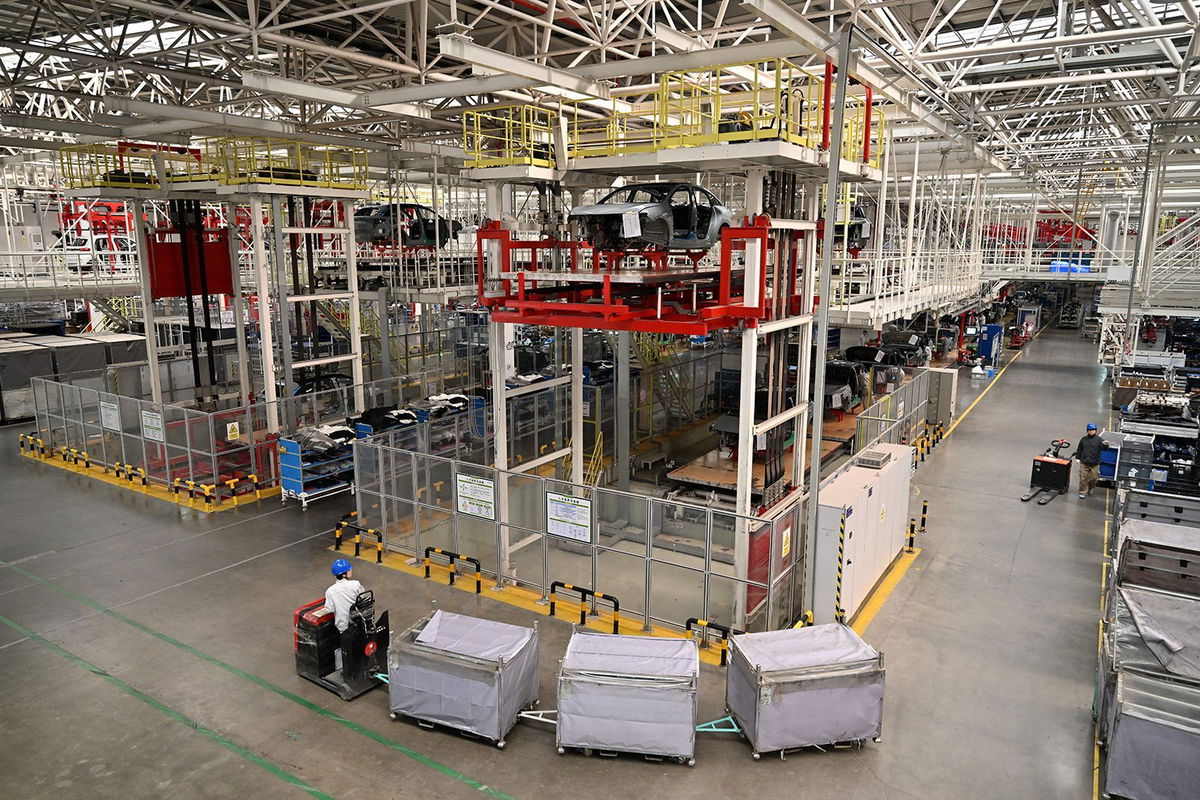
point(473, 675)
point(629, 694)
point(805, 686)
point(1152, 633)
point(1154, 741)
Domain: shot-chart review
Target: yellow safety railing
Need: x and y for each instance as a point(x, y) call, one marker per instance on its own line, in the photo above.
point(855, 131)
point(622, 129)
point(773, 99)
point(290, 163)
point(752, 101)
point(206, 167)
point(125, 165)
point(509, 136)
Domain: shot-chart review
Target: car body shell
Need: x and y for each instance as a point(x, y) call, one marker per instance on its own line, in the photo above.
point(675, 216)
point(419, 225)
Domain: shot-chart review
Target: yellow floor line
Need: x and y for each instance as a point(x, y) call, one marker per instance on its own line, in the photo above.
point(98, 473)
point(522, 598)
point(988, 388)
point(866, 614)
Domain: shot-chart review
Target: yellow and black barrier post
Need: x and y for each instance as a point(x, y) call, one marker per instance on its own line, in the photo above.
point(176, 487)
point(839, 612)
point(191, 493)
point(87, 460)
point(584, 593)
point(341, 527)
point(924, 514)
point(912, 536)
point(21, 443)
point(41, 448)
point(703, 624)
point(257, 486)
point(232, 484)
point(207, 488)
point(145, 480)
point(453, 557)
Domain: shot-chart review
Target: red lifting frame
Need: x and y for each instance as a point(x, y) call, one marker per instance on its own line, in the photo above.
point(653, 306)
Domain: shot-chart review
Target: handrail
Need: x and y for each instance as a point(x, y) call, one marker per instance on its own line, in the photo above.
point(452, 557)
point(359, 531)
point(584, 593)
point(705, 625)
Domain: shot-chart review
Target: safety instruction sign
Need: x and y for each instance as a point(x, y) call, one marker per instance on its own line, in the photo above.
point(476, 496)
point(569, 517)
point(110, 415)
point(232, 431)
point(152, 426)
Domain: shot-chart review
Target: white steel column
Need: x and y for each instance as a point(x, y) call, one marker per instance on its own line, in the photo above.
point(821, 333)
point(500, 360)
point(577, 405)
point(623, 413)
point(147, 302)
point(229, 210)
point(356, 366)
point(746, 390)
point(286, 337)
point(266, 334)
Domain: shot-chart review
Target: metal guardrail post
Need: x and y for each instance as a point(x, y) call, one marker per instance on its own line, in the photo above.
point(584, 593)
point(839, 612)
point(704, 625)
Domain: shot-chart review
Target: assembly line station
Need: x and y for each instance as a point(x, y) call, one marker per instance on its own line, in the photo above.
point(759, 397)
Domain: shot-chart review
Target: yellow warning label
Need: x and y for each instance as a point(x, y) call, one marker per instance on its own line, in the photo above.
point(232, 431)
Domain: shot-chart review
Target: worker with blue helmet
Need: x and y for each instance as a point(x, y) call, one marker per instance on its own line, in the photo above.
point(341, 595)
point(1088, 453)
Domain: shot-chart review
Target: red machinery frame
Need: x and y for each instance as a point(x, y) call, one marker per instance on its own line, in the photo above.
point(658, 299)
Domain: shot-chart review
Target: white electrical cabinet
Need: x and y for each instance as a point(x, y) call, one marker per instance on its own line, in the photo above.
point(875, 502)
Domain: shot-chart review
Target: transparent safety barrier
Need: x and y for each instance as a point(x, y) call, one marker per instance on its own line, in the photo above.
point(665, 561)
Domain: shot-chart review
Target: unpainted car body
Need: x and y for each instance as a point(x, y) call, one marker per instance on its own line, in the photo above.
point(419, 225)
point(676, 216)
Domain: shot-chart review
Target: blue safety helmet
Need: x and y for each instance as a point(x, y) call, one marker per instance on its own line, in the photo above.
point(1091, 426)
point(340, 567)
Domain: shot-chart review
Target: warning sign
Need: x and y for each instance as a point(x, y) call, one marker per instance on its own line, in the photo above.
point(232, 431)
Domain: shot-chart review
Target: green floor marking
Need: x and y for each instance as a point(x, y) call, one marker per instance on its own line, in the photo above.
point(449, 772)
point(166, 710)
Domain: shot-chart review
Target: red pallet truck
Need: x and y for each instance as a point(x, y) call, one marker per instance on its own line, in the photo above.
point(1051, 475)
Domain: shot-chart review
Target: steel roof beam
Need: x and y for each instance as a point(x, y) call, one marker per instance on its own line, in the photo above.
point(462, 48)
point(793, 25)
point(1132, 34)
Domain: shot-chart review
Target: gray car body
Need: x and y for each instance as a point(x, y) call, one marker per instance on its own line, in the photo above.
point(656, 219)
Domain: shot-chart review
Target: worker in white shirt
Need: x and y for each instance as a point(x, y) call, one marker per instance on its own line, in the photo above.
point(341, 595)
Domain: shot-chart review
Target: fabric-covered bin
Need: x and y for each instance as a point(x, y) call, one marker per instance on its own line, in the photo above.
point(1154, 739)
point(474, 675)
point(629, 694)
point(805, 686)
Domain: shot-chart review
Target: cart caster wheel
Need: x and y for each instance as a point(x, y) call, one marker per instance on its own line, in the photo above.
point(394, 715)
point(561, 751)
point(500, 745)
point(756, 756)
point(691, 762)
point(877, 739)
point(587, 751)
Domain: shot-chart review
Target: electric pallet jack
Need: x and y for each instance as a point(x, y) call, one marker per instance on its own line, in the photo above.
point(363, 647)
point(1051, 474)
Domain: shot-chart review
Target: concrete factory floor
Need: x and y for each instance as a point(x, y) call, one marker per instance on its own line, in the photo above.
point(146, 650)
